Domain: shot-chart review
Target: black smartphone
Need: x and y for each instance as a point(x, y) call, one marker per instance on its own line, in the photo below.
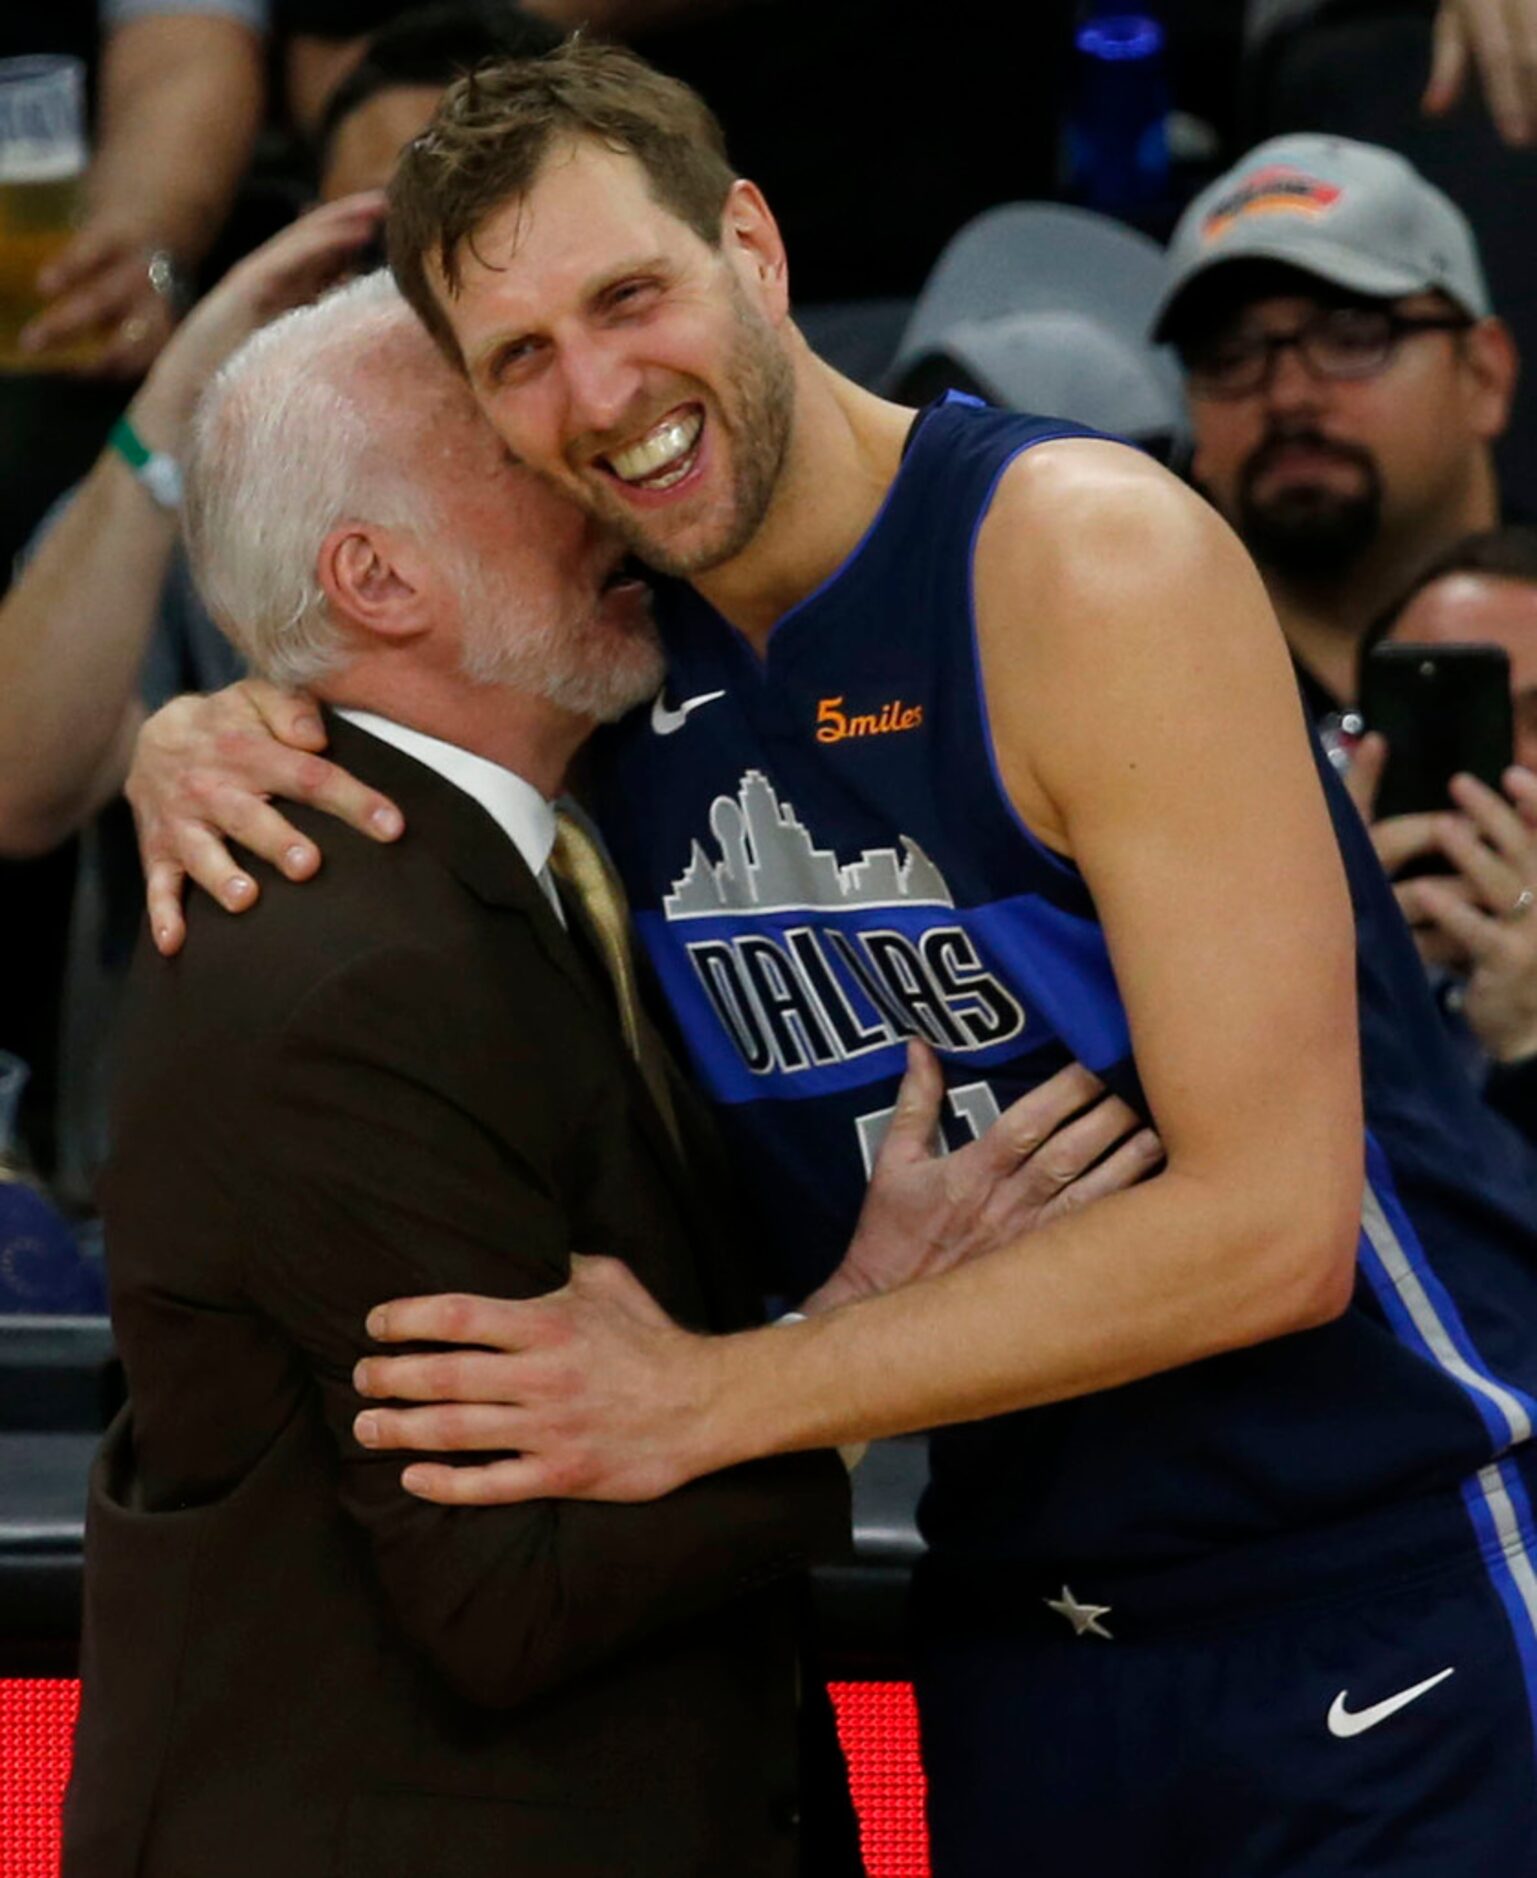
point(1444, 710)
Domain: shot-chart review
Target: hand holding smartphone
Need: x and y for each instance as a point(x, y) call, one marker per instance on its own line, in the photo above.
point(1444, 710)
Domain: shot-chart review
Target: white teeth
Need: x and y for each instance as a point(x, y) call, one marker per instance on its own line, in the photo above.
point(668, 444)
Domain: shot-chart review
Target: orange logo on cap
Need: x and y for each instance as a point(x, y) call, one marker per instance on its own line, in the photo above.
point(1276, 190)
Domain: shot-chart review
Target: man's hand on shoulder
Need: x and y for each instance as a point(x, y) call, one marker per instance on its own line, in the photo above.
point(204, 771)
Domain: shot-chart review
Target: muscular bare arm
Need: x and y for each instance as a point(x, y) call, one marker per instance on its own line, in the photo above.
point(1133, 669)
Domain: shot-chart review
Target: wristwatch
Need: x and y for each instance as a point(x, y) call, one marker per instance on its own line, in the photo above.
point(160, 474)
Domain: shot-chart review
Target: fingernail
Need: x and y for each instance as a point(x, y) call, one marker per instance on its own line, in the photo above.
point(237, 888)
point(414, 1479)
point(162, 936)
point(366, 1428)
point(378, 1321)
point(308, 726)
point(387, 822)
point(297, 856)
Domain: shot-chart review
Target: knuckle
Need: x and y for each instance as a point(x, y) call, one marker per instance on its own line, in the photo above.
point(313, 774)
point(550, 1328)
point(558, 1381)
point(569, 1474)
point(440, 1375)
point(456, 1313)
point(230, 743)
point(201, 787)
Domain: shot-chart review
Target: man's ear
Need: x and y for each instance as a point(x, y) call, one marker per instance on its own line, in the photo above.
point(371, 579)
point(1494, 365)
point(752, 241)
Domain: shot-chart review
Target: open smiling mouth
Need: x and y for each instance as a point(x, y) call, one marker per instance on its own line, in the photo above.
point(664, 456)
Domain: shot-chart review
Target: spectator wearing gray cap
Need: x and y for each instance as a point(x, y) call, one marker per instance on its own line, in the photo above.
point(1347, 380)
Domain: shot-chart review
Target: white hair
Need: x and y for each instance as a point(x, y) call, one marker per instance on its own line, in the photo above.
point(292, 438)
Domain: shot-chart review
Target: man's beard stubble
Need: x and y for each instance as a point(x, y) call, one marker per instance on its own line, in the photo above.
point(1308, 533)
point(759, 381)
point(576, 661)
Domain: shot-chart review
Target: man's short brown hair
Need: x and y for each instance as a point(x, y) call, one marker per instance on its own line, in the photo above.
point(495, 127)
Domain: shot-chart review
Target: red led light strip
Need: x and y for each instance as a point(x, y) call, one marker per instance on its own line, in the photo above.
point(878, 1726)
point(37, 1720)
point(876, 1722)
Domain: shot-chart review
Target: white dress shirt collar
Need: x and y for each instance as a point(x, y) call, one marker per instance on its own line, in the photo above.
point(516, 806)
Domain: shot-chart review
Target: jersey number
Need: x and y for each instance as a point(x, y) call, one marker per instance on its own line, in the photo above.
point(973, 1103)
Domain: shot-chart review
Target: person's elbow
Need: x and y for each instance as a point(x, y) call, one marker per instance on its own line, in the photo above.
point(499, 1626)
point(48, 796)
point(1307, 1246)
point(515, 1671)
point(32, 826)
point(1323, 1267)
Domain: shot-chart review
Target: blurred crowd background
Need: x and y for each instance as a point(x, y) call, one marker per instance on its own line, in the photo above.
point(972, 196)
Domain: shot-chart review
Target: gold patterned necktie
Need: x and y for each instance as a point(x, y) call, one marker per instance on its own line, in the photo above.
point(577, 861)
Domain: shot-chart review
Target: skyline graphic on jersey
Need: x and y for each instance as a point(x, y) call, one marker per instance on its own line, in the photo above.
point(769, 863)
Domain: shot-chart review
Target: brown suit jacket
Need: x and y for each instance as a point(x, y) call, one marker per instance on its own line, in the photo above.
point(403, 1077)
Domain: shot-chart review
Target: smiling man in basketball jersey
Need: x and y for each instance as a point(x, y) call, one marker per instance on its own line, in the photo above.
point(1229, 1567)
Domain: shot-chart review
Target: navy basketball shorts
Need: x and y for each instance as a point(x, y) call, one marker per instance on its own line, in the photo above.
point(1381, 1728)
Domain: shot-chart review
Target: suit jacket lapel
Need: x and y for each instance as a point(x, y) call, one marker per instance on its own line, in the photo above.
point(481, 855)
point(463, 836)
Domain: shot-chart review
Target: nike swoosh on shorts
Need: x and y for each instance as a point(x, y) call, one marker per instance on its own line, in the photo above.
point(1343, 1723)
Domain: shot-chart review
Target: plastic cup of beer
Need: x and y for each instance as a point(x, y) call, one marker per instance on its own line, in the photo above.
point(43, 156)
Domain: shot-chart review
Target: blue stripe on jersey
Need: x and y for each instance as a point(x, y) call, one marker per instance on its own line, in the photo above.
point(801, 1002)
point(1421, 1310)
point(824, 861)
point(1502, 1519)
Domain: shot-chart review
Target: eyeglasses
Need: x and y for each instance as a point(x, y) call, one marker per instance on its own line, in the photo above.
point(1340, 342)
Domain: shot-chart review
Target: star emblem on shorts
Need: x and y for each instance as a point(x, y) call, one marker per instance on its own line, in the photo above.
point(1083, 1617)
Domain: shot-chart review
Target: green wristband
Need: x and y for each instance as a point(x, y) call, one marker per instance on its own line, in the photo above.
point(160, 474)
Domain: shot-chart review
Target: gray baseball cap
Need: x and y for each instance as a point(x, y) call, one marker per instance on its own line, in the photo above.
point(1046, 309)
point(1348, 213)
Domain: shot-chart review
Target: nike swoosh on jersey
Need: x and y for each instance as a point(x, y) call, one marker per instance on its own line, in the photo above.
point(1343, 1723)
point(664, 721)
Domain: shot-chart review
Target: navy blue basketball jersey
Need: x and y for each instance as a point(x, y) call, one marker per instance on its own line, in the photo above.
point(822, 862)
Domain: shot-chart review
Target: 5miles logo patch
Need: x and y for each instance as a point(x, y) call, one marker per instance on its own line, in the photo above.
point(836, 725)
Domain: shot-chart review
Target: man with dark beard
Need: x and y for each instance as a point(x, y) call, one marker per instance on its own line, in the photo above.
point(1347, 382)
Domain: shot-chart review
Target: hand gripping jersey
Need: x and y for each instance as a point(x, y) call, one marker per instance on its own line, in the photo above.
point(822, 862)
